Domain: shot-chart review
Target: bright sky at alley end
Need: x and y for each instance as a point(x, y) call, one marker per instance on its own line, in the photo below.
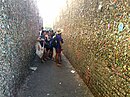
point(49, 10)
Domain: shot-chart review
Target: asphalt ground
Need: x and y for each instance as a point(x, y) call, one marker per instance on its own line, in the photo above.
point(48, 80)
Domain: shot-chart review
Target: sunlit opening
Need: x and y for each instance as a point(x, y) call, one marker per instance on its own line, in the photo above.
point(49, 10)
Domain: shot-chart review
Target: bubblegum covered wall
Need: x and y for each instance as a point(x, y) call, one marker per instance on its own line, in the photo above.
point(97, 43)
point(18, 27)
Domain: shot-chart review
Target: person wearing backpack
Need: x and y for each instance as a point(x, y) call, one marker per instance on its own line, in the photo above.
point(58, 47)
point(52, 44)
point(47, 45)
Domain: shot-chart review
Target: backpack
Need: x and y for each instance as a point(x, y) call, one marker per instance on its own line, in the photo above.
point(54, 42)
point(47, 45)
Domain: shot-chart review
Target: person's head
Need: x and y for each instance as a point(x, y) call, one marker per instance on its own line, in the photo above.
point(44, 32)
point(51, 32)
point(47, 32)
point(59, 31)
point(42, 28)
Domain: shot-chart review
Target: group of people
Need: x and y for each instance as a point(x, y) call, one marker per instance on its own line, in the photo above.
point(52, 43)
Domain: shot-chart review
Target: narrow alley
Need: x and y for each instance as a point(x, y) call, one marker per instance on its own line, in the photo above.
point(52, 81)
point(92, 35)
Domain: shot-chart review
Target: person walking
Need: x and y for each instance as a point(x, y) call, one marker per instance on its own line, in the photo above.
point(41, 40)
point(47, 45)
point(59, 47)
point(51, 44)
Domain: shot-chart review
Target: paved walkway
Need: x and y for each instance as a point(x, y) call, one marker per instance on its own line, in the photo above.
point(52, 81)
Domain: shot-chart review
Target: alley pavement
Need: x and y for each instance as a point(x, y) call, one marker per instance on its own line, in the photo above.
point(48, 80)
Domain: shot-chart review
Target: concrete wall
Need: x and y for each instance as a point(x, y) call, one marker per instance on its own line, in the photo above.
point(18, 27)
point(95, 46)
